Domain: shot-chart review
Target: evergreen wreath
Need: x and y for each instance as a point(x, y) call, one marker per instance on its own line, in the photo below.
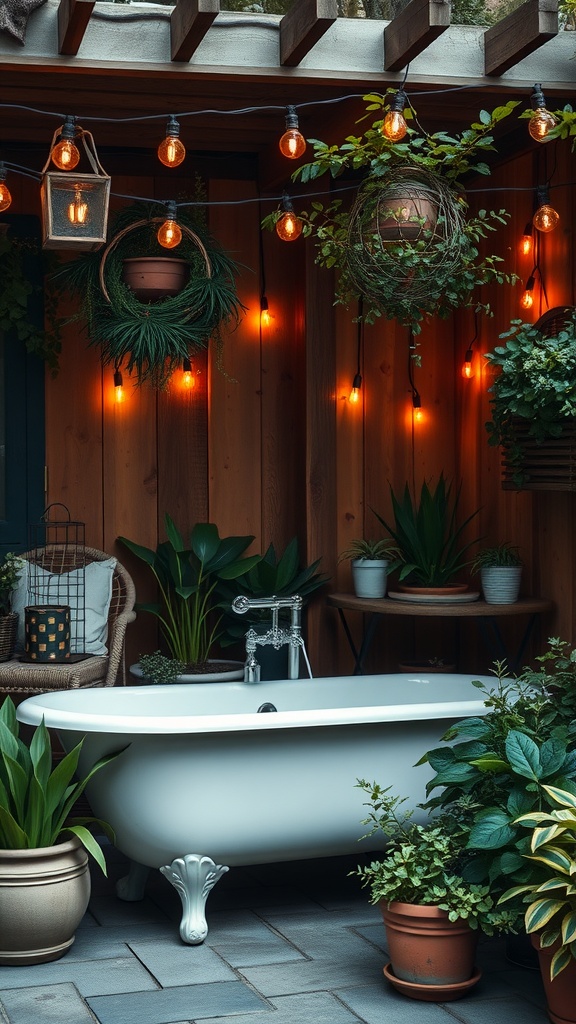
point(151, 339)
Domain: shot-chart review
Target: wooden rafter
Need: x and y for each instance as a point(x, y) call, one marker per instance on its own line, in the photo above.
point(520, 33)
point(411, 31)
point(302, 27)
point(73, 18)
point(189, 23)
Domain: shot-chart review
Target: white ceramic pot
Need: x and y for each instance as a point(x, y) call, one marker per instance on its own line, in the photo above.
point(501, 583)
point(369, 576)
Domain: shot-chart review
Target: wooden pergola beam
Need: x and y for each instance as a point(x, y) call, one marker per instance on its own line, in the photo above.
point(302, 27)
point(189, 23)
point(411, 31)
point(73, 18)
point(520, 33)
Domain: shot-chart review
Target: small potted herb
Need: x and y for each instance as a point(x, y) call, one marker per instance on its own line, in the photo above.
point(500, 570)
point(10, 568)
point(369, 566)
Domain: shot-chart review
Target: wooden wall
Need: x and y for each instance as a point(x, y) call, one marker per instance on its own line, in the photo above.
point(268, 444)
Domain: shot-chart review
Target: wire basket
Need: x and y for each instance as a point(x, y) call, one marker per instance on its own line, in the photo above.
point(57, 569)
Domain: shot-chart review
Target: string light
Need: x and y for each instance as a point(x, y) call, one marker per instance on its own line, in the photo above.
point(169, 233)
point(65, 153)
point(292, 144)
point(171, 151)
point(467, 368)
point(265, 314)
point(119, 394)
point(546, 218)
point(527, 300)
point(354, 396)
point(541, 120)
point(394, 126)
point(187, 374)
point(5, 197)
point(527, 241)
point(288, 226)
point(78, 209)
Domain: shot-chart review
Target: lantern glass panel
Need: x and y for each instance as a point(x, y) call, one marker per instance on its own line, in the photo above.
point(75, 210)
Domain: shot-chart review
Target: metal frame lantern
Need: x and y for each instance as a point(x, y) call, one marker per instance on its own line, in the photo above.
point(57, 582)
point(75, 206)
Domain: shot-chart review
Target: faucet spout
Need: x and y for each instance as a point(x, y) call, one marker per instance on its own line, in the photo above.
point(275, 636)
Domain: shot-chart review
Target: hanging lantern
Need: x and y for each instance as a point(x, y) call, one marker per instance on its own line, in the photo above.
point(75, 206)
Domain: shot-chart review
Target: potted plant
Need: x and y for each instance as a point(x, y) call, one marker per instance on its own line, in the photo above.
point(533, 402)
point(189, 609)
point(369, 565)
point(44, 875)
point(408, 246)
point(428, 548)
point(500, 570)
point(10, 569)
point(278, 574)
point(431, 913)
point(550, 917)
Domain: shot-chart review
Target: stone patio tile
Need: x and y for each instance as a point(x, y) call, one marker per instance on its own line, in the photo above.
point(41, 1004)
point(252, 897)
point(495, 1011)
point(316, 975)
point(173, 1005)
point(373, 933)
point(316, 1008)
point(109, 910)
point(172, 963)
point(323, 938)
point(379, 1003)
point(527, 984)
point(91, 977)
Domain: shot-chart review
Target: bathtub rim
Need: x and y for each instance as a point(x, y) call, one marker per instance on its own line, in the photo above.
point(56, 716)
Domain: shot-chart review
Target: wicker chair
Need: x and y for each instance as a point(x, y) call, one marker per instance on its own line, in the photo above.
point(98, 670)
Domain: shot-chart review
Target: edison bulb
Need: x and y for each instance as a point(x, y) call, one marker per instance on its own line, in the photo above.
point(540, 123)
point(171, 151)
point(394, 126)
point(187, 374)
point(292, 144)
point(5, 197)
point(526, 245)
point(65, 155)
point(169, 234)
point(527, 300)
point(119, 395)
point(289, 227)
point(546, 218)
point(78, 210)
point(467, 367)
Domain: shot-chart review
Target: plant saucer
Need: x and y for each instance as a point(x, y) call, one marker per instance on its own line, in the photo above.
point(431, 993)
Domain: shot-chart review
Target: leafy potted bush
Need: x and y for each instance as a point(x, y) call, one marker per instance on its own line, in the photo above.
point(189, 611)
point(533, 402)
point(407, 246)
point(428, 547)
point(10, 569)
point(551, 915)
point(500, 570)
point(44, 874)
point(369, 566)
point(431, 913)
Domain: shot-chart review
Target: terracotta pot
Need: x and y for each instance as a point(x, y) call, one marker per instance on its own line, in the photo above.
point(450, 588)
point(152, 278)
point(426, 949)
point(560, 992)
point(405, 216)
point(44, 894)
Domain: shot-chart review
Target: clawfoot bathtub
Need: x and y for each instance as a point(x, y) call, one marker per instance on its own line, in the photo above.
point(207, 781)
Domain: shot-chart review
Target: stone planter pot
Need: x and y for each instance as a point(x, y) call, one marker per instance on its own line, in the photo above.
point(369, 576)
point(501, 583)
point(44, 894)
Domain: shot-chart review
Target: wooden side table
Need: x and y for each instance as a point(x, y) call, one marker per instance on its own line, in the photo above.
point(488, 616)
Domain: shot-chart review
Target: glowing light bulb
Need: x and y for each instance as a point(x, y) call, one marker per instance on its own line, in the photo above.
point(467, 367)
point(265, 314)
point(65, 153)
point(171, 151)
point(78, 209)
point(541, 120)
point(169, 233)
point(292, 144)
point(527, 241)
point(546, 218)
point(394, 126)
point(418, 414)
point(187, 375)
point(527, 300)
point(5, 197)
point(119, 394)
point(289, 226)
point(354, 396)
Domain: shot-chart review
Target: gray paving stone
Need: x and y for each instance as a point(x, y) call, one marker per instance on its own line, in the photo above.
point(316, 1008)
point(54, 1004)
point(91, 977)
point(331, 973)
point(326, 939)
point(375, 934)
point(172, 1005)
point(495, 1011)
point(244, 940)
point(171, 962)
point(379, 1003)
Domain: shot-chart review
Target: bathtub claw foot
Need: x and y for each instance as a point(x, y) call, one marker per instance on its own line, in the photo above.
point(193, 877)
point(131, 887)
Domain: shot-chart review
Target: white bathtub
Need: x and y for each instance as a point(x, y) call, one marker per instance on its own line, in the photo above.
point(207, 781)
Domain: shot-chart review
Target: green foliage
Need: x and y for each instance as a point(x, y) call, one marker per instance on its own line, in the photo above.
point(428, 545)
point(535, 383)
point(422, 863)
point(35, 801)
point(503, 555)
point(493, 768)
point(373, 549)
point(157, 668)
point(10, 568)
point(187, 579)
point(552, 900)
point(15, 294)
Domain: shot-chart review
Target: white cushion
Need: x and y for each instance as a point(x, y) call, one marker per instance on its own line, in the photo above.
point(65, 588)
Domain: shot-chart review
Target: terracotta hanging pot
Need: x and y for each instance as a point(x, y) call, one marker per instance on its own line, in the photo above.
point(560, 992)
point(155, 277)
point(431, 957)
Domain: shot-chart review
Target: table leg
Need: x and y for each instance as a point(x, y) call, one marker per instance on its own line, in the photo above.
point(367, 636)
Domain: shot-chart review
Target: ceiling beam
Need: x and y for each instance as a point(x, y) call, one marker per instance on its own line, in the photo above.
point(412, 31)
point(189, 23)
point(302, 27)
point(73, 18)
point(519, 34)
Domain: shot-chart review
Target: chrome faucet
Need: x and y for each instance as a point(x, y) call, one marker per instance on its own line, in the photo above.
point(276, 636)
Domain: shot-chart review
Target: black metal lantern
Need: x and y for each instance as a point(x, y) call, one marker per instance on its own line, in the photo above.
point(57, 576)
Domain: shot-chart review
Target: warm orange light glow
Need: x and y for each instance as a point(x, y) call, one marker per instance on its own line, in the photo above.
point(292, 144)
point(169, 234)
point(65, 155)
point(171, 152)
point(419, 416)
point(527, 300)
point(289, 226)
point(527, 243)
point(266, 318)
point(5, 197)
point(354, 396)
point(540, 123)
point(78, 210)
point(188, 380)
point(394, 126)
point(119, 393)
point(546, 218)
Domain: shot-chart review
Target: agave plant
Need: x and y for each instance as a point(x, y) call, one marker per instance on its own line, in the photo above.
point(429, 549)
point(35, 801)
